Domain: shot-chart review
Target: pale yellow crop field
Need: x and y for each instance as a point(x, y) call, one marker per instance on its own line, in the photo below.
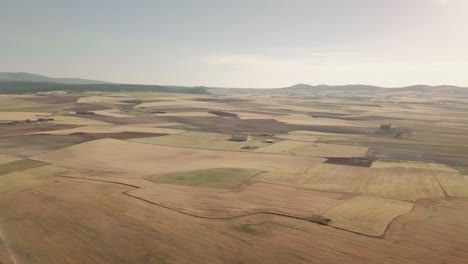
point(17, 116)
point(330, 150)
point(112, 113)
point(299, 119)
point(80, 121)
point(187, 104)
point(137, 160)
point(7, 158)
point(397, 182)
point(412, 164)
point(367, 215)
point(117, 100)
point(453, 183)
point(285, 146)
point(200, 140)
point(113, 129)
point(193, 114)
point(21, 180)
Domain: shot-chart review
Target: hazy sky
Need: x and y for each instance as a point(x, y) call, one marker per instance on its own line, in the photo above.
point(239, 43)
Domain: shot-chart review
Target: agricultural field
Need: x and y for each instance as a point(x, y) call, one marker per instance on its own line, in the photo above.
point(212, 178)
point(402, 183)
point(154, 177)
point(367, 215)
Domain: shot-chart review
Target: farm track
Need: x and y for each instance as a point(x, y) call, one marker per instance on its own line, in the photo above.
point(219, 218)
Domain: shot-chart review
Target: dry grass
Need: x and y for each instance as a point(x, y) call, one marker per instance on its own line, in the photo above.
point(185, 114)
point(367, 215)
point(285, 146)
point(80, 121)
point(113, 129)
point(201, 140)
point(330, 150)
point(136, 159)
point(101, 225)
point(213, 178)
point(16, 116)
point(394, 182)
point(112, 113)
point(7, 158)
point(453, 183)
point(21, 180)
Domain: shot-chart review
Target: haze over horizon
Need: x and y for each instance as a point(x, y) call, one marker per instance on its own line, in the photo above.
point(240, 44)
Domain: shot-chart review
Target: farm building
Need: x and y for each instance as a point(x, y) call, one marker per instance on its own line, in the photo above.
point(240, 138)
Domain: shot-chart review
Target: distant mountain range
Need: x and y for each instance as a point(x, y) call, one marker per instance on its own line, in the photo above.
point(23, 82)
point(30, 77)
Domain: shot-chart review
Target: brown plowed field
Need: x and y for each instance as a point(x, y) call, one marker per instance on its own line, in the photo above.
point(78, 221)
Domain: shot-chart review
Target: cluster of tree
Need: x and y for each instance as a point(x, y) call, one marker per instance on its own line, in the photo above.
point(396, 132)
point(38, 87)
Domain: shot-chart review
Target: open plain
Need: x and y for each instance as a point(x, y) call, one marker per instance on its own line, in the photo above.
point(258, 176)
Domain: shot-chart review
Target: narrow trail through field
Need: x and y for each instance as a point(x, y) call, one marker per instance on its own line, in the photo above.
point(5, 242)
point(219, 218)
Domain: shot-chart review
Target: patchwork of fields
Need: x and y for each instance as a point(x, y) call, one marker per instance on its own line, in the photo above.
point(155, 178)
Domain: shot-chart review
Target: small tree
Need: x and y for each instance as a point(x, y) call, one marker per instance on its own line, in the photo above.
point(386, 128)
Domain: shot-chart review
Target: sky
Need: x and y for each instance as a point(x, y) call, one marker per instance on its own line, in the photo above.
point(241, 43)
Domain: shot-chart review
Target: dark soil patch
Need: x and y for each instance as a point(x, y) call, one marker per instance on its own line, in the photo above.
point(121, 135)
point(222, 113)
point(30, 145)
point(235, 125)
point(394, 154)
point(359, 162)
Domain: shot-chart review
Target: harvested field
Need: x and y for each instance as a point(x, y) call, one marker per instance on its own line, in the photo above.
point(212, 178)
point(53, 99)
point(453, 183)
point(285, 146)
point(298, 119)
point(137, 160)
point(19, 165)
point(17, 116)
point(396, 183)
point(17, 130)
point(201, 140)
point(257, 197)
point(118, 135)
point(7, 158)
point(196, 114)
point(330, 151)
point(367, 215)
point(102, 225)
point(79, 121)
point(29, 145)
point(113, 129)
point(218, 124)
point(112, 113)
point(249, 198)
point(394, 154)
point(98, 99)
point(17, 181)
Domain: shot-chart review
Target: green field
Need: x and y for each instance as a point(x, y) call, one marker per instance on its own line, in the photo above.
point(19, 165)
point(214, 178)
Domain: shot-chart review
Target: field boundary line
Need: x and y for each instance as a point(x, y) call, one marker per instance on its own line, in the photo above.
point(217, 218)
